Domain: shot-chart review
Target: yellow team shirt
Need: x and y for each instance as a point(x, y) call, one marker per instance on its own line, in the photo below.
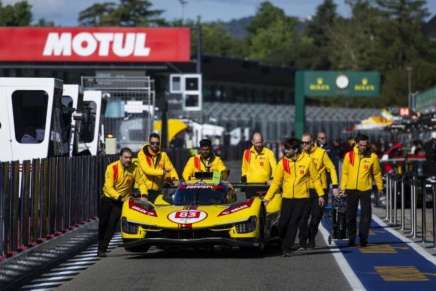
point(294, 177)
point(119, 181)
point(153, 165)
point(323, 164)
point(196, 164)
point(360, 171)
point(258, 167)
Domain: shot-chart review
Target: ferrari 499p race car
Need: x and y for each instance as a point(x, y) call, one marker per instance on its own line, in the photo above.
point(199, 213)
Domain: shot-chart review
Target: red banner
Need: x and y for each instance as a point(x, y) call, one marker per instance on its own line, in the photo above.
point(106, 44)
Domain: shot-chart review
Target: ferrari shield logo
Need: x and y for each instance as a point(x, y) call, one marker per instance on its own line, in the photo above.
point(187, 216)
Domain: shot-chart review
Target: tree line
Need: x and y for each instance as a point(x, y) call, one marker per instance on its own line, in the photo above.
point(382, 35)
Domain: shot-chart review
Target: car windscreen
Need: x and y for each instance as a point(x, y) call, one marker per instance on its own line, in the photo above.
point(193, 195)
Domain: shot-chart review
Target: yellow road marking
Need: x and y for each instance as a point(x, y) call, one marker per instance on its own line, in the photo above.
point(378, 249)
point(400, 273)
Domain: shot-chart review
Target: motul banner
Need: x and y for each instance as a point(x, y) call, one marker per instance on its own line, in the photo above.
point(106, 44)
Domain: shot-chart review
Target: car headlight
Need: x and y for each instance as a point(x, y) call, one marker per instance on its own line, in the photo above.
point(247, 226)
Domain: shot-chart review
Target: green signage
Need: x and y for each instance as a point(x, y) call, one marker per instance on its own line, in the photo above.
point(426, 100)
point(331, 84)
point(341, 83)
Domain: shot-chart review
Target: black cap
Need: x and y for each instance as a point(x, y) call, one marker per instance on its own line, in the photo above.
point(205, 143)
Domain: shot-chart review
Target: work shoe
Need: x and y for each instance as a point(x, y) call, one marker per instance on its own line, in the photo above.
point(363, 243)
point(311, 244)
point(101, 254)
point(351, 243)
point(287, 253)
point(301, 247)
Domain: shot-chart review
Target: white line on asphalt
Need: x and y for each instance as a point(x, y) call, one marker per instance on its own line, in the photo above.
point(60, 273)
point(420, 250)
point(67, 264)
point(55, 278)
point(52, 284)
point(71, 268)
point(87, 252)
point(342, 262)
point(84, 260)
point(86, 256)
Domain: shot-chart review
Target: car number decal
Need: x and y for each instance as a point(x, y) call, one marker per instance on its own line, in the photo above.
point(187, 216)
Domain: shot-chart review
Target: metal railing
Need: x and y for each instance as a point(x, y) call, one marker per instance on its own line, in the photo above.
point(407, 194)
point(43, 198)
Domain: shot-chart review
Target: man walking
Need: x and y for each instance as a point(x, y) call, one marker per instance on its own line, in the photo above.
point(360, 169)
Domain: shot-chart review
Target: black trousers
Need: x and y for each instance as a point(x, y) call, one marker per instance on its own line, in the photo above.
point(353, 198)
point(291, 214)
point(314, 212)
point(109, 215)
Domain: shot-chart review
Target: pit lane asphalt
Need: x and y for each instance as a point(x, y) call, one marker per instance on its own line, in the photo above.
point(211, 270)
point(217, 269)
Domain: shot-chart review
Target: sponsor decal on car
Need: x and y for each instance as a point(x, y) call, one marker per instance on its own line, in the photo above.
point(187, 216)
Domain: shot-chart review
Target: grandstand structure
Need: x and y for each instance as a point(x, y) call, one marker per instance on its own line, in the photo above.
point(276, 121)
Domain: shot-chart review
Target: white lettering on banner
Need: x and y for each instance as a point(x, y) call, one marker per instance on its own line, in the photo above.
point(86, 44)
point(57, 45)
point(123, 47)
point(140, 49)
point(105, 40)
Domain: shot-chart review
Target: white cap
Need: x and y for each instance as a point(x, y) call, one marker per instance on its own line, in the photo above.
point(433, 134)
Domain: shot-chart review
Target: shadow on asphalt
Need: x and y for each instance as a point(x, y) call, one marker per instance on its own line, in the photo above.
point(221, 253)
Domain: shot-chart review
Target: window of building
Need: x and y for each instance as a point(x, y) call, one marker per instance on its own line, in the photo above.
point(30, 114)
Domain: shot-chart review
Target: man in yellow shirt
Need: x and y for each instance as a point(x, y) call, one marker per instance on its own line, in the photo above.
point(293, 173)
point(120, 177)
point(360, 169)
point(156, 166)
point(323, 163)
point(205, 161)
point(258, 164)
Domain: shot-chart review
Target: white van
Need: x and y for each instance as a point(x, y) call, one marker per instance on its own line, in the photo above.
point(86, 134)
point(31, 119)
point(36, 119)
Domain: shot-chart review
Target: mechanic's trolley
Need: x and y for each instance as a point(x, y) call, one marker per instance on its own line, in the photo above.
point(337, 214)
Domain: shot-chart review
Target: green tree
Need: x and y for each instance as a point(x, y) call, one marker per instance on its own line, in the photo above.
point(272, 36)
point(355, 43)
point(18, 14)
point(319, 29)
point(138, 13)
point(98, 14)
point(265, 16)
point(217, 41)
point(128, 13)
point(44, 23)
point(275, 44)
point(404, 34)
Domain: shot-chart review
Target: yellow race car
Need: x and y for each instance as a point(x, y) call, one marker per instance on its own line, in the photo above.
point(199, 213)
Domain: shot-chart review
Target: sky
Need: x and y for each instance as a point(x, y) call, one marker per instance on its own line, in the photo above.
point(65, 12)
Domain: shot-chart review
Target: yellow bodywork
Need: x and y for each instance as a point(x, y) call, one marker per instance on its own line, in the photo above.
point(152, 226)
